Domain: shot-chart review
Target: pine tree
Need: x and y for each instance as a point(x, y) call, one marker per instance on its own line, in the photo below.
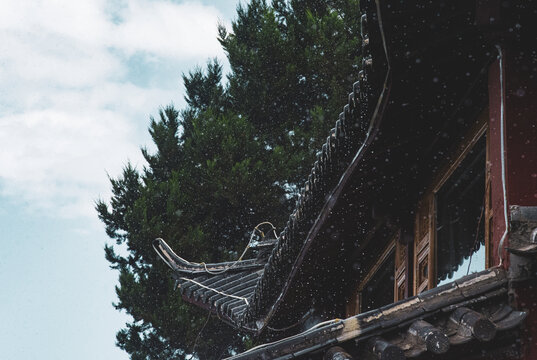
point(231, 159)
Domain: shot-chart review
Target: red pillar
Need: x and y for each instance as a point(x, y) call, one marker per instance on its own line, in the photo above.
point(513, 101)
point(513, 83)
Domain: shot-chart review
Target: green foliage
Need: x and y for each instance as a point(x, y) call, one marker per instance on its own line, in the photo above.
point(231, 159)
point(286, 60)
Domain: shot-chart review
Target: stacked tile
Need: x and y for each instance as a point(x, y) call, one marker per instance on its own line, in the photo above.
point(342, 144)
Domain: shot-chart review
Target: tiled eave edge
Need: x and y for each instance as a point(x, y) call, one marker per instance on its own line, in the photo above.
point(226, 316)
point(336, 164)
point(223, 288)
point(467, 291)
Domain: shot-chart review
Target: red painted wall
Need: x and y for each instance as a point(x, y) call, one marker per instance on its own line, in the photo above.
point(519, 73)
point(519, 88)
point(521, 129)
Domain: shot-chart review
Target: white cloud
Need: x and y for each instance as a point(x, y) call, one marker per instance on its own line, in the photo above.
point(57, 157)
point(69, 106)
point(166, 29)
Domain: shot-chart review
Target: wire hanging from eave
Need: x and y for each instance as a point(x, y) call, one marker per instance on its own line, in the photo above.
point(476, 240)
point(300, 321)
point(250, 242)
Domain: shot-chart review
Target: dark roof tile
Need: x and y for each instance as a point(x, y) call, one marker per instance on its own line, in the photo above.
point(342, 143)
point(397, 325)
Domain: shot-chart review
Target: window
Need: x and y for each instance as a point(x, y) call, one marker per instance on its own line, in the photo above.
point(460, 206)
point(450, 237)
point(377, 288)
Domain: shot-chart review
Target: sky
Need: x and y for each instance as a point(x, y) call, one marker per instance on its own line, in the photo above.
point(79, 81)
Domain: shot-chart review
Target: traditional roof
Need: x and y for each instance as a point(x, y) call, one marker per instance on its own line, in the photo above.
point(224, 288)
point(474, 307)
point(247, 293)
point(404, 47)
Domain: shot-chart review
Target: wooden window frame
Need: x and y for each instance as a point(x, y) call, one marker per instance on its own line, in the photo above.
point(387, 252)
point(425, 236)
point(402, 276)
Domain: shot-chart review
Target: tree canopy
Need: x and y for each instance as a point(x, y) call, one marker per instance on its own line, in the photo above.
point(232, 158)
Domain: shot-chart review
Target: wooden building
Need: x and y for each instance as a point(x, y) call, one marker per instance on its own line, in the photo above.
point(430, 173)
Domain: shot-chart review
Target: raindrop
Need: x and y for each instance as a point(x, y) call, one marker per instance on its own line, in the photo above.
point(520, 92)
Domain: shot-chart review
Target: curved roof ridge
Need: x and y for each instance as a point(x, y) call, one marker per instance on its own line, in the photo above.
point(344, 141)
point(179, 264)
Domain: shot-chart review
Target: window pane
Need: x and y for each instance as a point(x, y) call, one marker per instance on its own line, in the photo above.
point(460, 219)
point(379, 290)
